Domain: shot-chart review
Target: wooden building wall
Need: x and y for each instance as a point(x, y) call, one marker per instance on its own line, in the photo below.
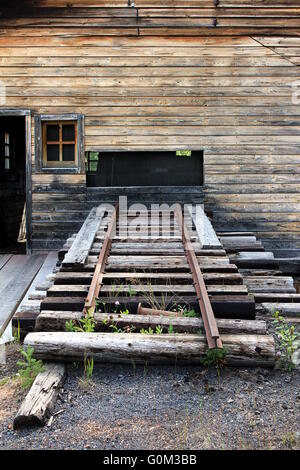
point(175, 78)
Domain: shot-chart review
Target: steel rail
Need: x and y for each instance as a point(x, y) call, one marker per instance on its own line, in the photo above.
point(94, 289)
point(209, 321)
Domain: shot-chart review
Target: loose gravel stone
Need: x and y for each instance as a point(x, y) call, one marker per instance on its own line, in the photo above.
point(161, 408)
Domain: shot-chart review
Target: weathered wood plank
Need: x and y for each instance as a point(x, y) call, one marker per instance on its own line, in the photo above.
point(150, 349)
point(17, 284)
point(204, 229)
point(270, 284)
point(81, 246)
point(56, 320)
point(82, 290)
point(41, 398)
point(262, 297)
point(46, 268)
point(290, 309)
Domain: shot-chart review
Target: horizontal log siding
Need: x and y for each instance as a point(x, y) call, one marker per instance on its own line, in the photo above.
point(230, 96)
point(153, 17)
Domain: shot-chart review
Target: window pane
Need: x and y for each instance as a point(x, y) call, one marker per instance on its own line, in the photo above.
point(52, 133)
point(6, 138)
point(7, 150)
point(53, 153)
point(68, 133)
point(94, 156)
point(93, 166)
point(68, 152)
point(7, 164)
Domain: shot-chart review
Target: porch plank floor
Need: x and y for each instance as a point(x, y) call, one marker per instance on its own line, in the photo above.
point(16, 276)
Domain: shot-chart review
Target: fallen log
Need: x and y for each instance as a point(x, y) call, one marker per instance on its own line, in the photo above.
point(40, 400)
point(244, 350)
point(56, 321)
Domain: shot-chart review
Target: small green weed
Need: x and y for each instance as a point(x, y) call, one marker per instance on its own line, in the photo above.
point(115, 328)
point(88, 366)
point(144, 331)
point(70, 327)
point(17, 334)
point(287, 341)
point(4, 381)
point(187, 312)
point(30, 367)
point(289, 440)
point(86, 324)
point(215, 357)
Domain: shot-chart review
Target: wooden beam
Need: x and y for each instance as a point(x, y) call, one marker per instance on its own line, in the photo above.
point(78, 253)
point(56, 321)
point(246, 350)
point(204, 229)
point(40, 400)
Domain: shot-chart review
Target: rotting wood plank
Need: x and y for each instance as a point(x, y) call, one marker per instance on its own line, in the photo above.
point(159, 267)
point(205, 232)
point(56, 320)
point(81, 246)
point(275, 284)
point(285, 309)
point(261, 255)
point(74, 278)
point(180, 289)
point(278, 297)
point(40, 400)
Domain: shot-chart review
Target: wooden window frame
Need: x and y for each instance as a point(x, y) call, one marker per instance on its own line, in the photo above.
point(60, 163)
point(41, 164)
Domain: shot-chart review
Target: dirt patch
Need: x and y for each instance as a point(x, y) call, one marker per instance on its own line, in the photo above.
point(11, 396)
point(166, 408)
point(11, 392)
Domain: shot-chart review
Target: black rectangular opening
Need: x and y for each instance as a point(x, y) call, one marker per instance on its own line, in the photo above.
point(12, 185)
point(144, 168)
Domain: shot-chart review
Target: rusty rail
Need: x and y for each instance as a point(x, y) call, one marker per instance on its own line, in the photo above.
point(209, 321)
point(90, 303)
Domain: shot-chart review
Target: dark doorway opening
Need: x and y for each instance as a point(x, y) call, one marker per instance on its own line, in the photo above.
point(12, 184)
point(144, 168)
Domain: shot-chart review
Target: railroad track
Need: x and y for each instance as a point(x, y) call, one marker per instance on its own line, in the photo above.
point(135, 283)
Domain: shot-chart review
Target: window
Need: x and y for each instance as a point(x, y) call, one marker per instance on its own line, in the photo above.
point(7, 150)
point(91, 162)
point(144, 168)
point(59, 144)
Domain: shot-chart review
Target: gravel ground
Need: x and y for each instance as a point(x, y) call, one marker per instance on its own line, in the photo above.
point(161, 408)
